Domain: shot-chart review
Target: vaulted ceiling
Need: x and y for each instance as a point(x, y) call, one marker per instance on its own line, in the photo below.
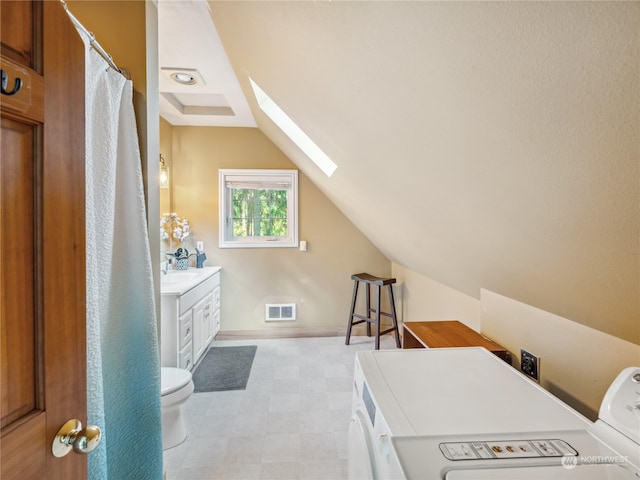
point(482, 144)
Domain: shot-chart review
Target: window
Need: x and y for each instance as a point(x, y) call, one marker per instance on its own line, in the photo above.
point(258, 208)
point(293, 131)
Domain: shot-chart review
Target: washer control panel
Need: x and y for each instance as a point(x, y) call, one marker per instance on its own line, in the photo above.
point(491, 450)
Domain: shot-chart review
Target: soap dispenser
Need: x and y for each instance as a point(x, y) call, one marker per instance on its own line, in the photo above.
point(200, 255)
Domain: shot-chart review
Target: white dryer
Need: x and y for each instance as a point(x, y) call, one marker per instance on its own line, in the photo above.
point(607, 449)
point(442, 392)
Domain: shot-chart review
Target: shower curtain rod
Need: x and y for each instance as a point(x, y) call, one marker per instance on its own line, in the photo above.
point(94, 43)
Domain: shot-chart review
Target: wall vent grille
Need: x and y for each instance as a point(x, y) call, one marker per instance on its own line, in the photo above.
point(280, 312)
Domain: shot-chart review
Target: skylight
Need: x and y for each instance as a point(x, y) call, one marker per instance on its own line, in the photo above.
point(292, 130)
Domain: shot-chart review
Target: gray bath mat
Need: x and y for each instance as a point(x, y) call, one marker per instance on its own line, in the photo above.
point(224, 368)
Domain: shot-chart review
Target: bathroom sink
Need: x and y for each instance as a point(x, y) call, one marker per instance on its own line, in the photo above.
point(179, 277)
point(178, 282)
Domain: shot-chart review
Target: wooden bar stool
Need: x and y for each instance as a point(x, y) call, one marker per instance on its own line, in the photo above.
point(378, 282)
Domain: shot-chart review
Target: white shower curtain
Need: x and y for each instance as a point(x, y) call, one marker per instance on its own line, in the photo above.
point(123, 371)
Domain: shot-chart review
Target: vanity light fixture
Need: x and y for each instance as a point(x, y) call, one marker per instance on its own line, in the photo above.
point(164, 174)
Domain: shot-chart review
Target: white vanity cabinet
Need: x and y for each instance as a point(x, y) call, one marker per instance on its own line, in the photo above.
point(190, 316)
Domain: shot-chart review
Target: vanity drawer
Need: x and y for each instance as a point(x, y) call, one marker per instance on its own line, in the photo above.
point(194, 295)
point(185, 326)
point(185, 357)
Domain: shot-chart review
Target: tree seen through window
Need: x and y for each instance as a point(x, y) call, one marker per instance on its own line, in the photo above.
point(259, 212)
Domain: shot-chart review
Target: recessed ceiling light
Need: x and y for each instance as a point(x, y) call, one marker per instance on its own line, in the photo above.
point(183, 78)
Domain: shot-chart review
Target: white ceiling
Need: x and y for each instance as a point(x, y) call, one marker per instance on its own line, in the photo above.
point(188, 40)
point(482, 144)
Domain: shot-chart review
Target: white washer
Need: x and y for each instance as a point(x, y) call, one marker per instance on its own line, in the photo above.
point(442, 392)
point(607, 449)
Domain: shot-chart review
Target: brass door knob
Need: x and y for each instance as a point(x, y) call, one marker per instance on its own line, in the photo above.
point(72, 436)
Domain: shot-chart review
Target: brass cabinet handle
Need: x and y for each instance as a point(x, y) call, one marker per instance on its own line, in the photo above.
point(72, 436)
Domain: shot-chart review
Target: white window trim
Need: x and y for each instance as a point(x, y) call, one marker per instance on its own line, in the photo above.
point(226, 239)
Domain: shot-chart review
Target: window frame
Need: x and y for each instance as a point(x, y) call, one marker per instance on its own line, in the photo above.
point(263, 176)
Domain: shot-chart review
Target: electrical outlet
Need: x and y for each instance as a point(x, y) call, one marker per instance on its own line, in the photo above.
point(529, 364)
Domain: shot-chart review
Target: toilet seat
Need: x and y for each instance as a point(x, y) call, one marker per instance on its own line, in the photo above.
point(173, 379)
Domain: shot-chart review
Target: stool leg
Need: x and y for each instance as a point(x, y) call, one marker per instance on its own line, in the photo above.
point(378, 319)
point(353, 306)
point(368, 301)
point(393, 316)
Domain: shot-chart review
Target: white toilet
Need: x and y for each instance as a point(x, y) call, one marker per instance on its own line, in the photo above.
point(176, 386)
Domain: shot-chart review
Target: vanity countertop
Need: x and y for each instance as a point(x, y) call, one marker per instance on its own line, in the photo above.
point(178, 282)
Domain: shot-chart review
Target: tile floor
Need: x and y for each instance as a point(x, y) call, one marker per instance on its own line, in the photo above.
point(291, 422)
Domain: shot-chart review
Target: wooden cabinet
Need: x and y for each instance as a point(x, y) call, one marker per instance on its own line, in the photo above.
point(190, 321)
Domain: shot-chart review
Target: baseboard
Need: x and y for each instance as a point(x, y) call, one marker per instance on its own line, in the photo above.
point(283, 332)
point(290, 332)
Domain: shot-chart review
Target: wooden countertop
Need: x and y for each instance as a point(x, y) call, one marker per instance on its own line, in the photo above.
point(447, 333)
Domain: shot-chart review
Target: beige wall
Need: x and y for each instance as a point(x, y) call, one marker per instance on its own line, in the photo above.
point(119, 27)
point(422, 299)
point(318, 281)
point(577, 363)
